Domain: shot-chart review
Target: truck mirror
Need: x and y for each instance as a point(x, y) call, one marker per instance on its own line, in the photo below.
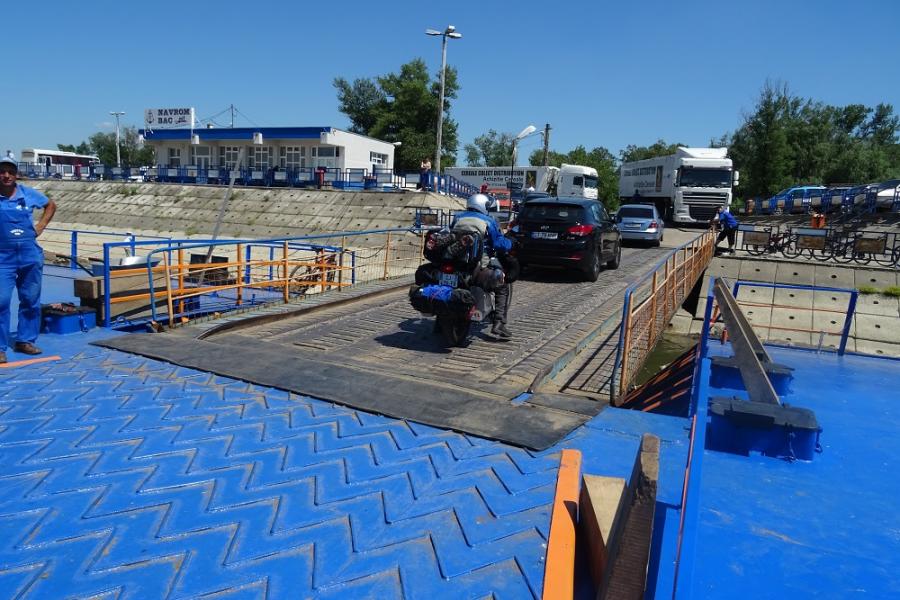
point(736, 178)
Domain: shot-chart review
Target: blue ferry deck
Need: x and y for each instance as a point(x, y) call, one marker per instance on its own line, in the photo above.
point(131, 478)
point(829, 527)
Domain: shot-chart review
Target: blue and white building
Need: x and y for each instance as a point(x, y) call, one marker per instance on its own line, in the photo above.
point(287, 148)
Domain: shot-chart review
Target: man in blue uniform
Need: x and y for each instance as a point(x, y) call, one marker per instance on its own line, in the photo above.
point(729, 228)
point(21, 259)
point(476, 218)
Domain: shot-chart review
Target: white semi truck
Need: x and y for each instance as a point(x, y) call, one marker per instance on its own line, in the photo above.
point(686, 187)
point(566, 180)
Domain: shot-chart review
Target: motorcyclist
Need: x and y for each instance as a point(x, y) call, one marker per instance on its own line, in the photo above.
point(476, 218)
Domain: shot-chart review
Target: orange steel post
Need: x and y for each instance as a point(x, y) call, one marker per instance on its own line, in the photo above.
point(180, 278)
point(387, 252)
point(559, 568)
point(323, 270)
point(284, 267)
point(626, 348)
point(240, 275)
point(169, 289)
point(341, 266)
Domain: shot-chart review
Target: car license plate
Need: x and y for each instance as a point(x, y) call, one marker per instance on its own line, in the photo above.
point(449, 279)
point(543, 235)
point(633, 225)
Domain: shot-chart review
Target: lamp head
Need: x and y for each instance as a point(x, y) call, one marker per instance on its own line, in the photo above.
point(432, 32)
point(526, 132)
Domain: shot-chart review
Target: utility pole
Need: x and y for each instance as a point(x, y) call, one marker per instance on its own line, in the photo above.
point(117, 114)
point(546, 143)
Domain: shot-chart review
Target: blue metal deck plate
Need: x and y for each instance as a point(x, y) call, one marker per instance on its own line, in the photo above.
point(130, 478)
point(827, 528)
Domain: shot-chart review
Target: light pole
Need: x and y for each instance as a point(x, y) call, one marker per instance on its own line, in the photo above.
point(117, 114)
point(450, 32)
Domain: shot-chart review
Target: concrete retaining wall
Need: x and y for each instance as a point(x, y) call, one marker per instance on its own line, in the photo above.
point(774, 313)
point(186, 210)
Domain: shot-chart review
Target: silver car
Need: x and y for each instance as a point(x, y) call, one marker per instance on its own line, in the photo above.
point(640, 222)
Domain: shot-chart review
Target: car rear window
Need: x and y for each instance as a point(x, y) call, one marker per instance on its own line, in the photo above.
point(569, 213)
point(636, 212)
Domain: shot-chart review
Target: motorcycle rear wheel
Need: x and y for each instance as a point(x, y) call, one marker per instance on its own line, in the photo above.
point(454, 329)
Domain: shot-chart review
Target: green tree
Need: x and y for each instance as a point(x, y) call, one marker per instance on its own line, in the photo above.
point(490, 150)
point(82, 148)
point(632, 153)
point(788, 140)
point(403, 107)
point(103, 144)
point(600, 158)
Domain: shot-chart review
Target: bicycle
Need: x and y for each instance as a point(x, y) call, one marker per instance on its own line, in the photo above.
point(757, 243)
point(305, 276)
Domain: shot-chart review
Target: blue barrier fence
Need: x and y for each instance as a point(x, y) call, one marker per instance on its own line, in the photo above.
point(302, 177)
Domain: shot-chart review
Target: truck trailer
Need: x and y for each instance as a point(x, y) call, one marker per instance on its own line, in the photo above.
point(566, 180)
point(686, 187)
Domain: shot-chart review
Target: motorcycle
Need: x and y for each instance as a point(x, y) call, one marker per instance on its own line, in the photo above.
point(454, 285)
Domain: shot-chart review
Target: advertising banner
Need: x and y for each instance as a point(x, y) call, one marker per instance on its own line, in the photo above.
point(168, 118)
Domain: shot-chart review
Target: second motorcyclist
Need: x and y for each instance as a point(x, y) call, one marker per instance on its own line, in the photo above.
point(476, 218)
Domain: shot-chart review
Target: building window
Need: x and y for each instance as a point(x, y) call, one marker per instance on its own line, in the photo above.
point(200, 156)
point(292, 157)
point(378, 159)
point(261, 157)
point(174, 157)
point(325, 156)
point(228, 156)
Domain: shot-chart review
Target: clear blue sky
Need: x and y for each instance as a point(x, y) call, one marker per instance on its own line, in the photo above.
point(601, 73)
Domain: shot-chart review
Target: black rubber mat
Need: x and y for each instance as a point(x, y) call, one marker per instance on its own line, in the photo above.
point(533, 424)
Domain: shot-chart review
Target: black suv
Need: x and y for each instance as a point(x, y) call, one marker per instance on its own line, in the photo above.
point(566, 232)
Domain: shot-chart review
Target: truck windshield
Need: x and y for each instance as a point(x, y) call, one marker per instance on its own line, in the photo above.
point(691, 177)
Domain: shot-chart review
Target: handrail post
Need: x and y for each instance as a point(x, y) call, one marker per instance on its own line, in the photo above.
point(73, 251)
point(387, 252)
point(323, 269)
point(341, 265)
point(653, 307)
point(626, 350)
point(240, 286)
point(107, 295)
point(284, 266)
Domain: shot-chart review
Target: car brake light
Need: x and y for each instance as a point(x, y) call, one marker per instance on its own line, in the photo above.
point(652, 224)
point(580, 230)
point(447, 268)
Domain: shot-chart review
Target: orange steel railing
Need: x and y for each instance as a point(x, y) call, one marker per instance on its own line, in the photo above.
point(251, 271)
point(652, 302)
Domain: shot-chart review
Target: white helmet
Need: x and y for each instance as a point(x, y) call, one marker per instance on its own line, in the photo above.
point(480, 203)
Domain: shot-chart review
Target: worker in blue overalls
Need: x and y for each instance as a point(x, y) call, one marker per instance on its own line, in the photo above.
point(21, 259)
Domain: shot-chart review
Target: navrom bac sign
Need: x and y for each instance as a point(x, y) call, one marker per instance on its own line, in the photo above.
point(168, 118)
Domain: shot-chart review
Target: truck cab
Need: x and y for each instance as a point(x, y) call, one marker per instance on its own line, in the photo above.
point(577, 180)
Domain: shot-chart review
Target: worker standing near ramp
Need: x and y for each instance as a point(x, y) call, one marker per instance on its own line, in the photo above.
point(21, 259)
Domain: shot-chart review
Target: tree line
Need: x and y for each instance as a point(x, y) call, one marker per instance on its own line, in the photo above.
point(785, 140)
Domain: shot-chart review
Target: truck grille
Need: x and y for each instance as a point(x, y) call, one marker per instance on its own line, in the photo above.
point(702, 213)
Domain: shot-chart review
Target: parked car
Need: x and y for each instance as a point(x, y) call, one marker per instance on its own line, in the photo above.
point(570, 232)
point(640, 222)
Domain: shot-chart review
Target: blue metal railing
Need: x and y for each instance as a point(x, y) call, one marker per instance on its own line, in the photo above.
point(76, 242)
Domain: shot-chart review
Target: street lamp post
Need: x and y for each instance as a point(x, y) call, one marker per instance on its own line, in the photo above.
point(450, 32)
point(117, 114)
point(522, 134)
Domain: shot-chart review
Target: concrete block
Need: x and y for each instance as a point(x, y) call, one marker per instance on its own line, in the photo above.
point(876, 328)
point(832, 323)
point(800, 299)
point(795, 273)
point(791, 325)
point(878, 304)
point(758, 316)
point(754, 294)
point(876, 348)
point(757, 270)
point(834, 276)
point(729, 268)
point(877, 278)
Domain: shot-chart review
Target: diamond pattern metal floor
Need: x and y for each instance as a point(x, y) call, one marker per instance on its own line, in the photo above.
point(123, 477)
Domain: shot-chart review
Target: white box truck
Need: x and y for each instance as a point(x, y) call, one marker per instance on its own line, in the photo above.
point(567, 180)
point(686, 187)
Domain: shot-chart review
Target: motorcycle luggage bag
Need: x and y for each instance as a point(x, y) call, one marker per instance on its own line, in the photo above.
point(461, 247)
point(433, 299)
